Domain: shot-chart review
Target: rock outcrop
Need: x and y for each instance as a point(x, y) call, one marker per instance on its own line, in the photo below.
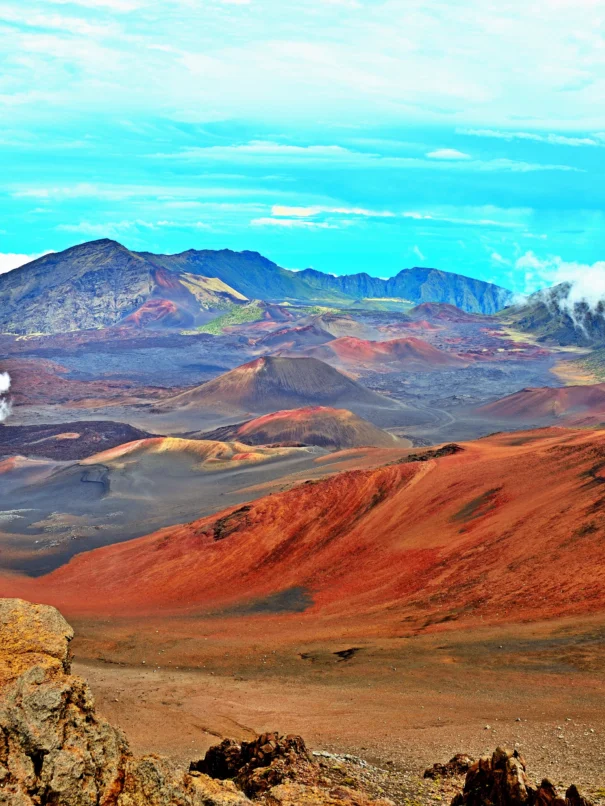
point(460, 764)
point(262, 764)
point(55, 749)
point(502, 781)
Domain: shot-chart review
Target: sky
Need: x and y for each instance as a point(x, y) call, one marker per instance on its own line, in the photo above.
point(346, 135)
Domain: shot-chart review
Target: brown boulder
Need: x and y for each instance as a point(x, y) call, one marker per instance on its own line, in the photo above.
point(502, 781)
point(53, 746)
point(259, 765)
point(460, 764)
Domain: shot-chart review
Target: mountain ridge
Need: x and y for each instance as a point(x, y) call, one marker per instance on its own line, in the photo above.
point(101, 283)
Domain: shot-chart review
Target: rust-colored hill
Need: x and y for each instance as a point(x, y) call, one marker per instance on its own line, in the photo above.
point(407, 353)
point(549, 403)
point(314, 425)
point(157, 313)
point(294, 338)
point(507, 530)
point(274, 383)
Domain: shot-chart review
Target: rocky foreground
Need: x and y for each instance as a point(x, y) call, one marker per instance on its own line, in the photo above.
point(55, 749)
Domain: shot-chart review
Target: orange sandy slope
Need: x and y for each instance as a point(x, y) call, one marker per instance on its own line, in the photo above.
point(409, 352)
point(315, 425)
point(540, 402)
point(210, 454)
point(510, 529)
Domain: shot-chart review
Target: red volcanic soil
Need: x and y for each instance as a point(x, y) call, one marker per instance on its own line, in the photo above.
point(507, 530)
point(156, 312)
point(421, 324)
point(407, 353)
point(547, 402)
point(38, 380)
point(314, 425)
point(272, 383)
point(293, 338)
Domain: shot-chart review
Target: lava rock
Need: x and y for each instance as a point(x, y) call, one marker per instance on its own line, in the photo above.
point(460, 764)
point(502, 781)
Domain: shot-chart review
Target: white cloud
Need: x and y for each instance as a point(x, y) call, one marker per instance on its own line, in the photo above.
point(597, 139)
point(497, 258)
point(163, 193)
point(10, 261)
point(56, 22)
point(334, 156)
point(307, 212)
point(290, 223)
point(111, 229)
point(264, 148)
point(112, 5)
point(391, 61)
point(448, 154)
point(587, 280)
point(416, 250)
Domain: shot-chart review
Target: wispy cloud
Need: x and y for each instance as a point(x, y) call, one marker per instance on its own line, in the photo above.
point(265, 149)
point(163, 193)
point(113, 5)
point(308, 212)
point(597, 139)
point(333, 156)
point(111, 229)
point(55, 22)
point(291, 223)
point(500, 260)
point(448, 154)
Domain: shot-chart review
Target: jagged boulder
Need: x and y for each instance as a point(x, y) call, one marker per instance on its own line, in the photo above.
point(279, 771)
point(460, 764)
point(262, 764)
point(53, 746)
point(501, 780)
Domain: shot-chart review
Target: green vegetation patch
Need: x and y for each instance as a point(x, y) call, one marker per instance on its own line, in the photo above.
point(593, 363)
point(236, 315)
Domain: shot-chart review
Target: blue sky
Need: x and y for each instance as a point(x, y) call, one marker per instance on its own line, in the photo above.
point(347, 135)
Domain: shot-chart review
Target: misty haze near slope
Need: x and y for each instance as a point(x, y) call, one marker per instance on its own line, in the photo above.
point(5, 404)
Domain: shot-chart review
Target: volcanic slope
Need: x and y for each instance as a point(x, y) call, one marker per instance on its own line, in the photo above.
point(315, 425)
point(503, 531)
point(554, 315)
point(273, 383)
point(200, 454)
point(99, 284)
point(548, 403)
point(56, 510)
point(436, 311)
point(294, 338)
point(407, 353)
point(66, 441)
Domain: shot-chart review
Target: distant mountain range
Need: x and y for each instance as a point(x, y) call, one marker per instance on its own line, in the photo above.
point(101, 283)
point(417, 285)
